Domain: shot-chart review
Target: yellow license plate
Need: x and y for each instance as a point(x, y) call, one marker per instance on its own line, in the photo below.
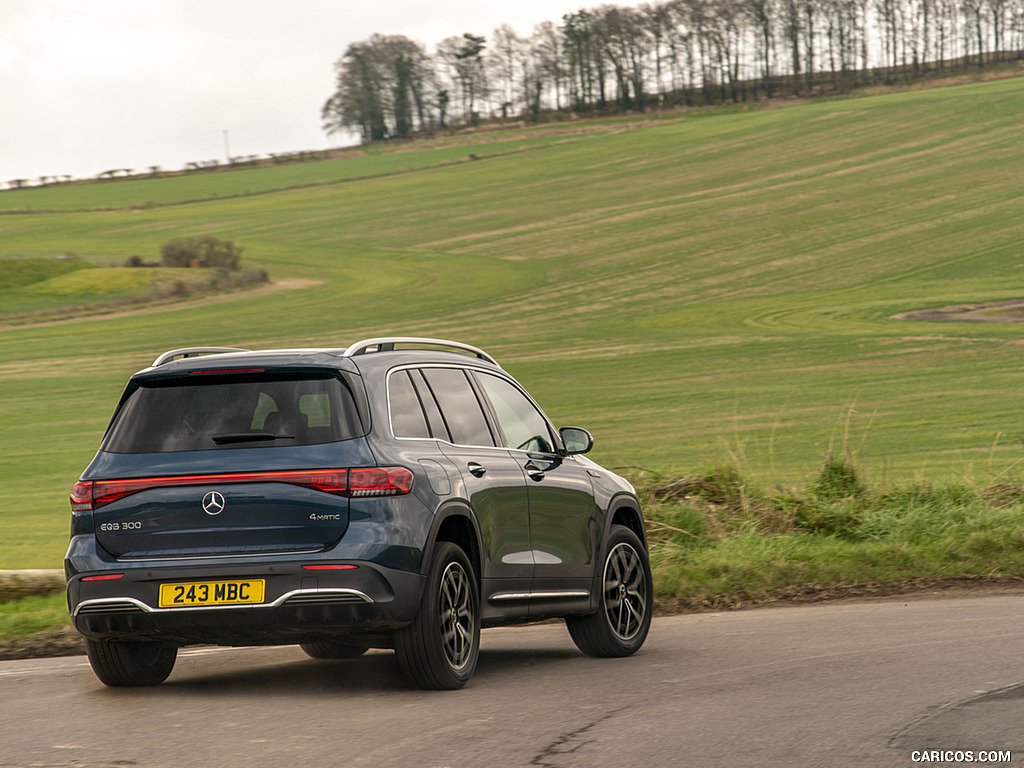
point(199, 593)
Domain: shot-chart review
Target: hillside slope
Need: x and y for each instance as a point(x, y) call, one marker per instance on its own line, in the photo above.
point(724, 284)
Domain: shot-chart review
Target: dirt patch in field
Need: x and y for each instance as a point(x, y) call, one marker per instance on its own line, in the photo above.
point(1011, 311)
point(124, 309)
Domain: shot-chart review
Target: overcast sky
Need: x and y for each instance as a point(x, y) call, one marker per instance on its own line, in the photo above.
point(93, 85)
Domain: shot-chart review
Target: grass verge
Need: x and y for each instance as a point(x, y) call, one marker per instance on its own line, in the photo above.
point(38, 626)
point(29, 616)
point(720, 541)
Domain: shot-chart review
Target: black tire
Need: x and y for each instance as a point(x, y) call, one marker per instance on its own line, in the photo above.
point(130, 663)
point(439, 649)
point(332, 649)
point(623, 617)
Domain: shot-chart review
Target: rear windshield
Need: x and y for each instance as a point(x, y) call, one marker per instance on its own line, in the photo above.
point(212, 412)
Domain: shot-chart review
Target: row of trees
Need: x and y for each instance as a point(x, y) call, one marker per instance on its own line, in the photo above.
point(677, 51)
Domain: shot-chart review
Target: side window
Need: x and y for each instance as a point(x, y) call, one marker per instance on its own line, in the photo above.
point(524, 426)
point(435, 421)
point(406, 414)
point(459, 406)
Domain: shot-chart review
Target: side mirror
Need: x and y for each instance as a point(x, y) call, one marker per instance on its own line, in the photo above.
point(576, 440)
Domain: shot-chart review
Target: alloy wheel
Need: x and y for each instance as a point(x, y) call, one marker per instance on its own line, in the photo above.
point(456, 613)
point(625, 591)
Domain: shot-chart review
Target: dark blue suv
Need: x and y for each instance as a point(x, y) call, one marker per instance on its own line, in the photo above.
point(400, 493)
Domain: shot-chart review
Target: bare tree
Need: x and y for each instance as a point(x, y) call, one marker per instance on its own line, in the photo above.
point(381, 89)
point(997, 10)
point(657, 24)
point(809, 10)
point(791, 22)
point(685, 49)
point(763, 15)
point(505, 62)
point(974, 19)
point(463, 58)
point(550, 70)
point(578, 30)
point(623, 41)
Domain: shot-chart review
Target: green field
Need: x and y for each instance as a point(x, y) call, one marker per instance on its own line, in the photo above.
point(721, 285)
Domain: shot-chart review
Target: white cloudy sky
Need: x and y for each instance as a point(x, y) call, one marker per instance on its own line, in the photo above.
point(92, 85)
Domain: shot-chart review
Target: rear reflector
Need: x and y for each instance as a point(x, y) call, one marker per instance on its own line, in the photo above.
point(362, 482)
point(104, 577)
point(339, 567)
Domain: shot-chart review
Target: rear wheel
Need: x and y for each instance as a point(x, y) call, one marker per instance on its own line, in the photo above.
point(439, 649)
point(332, 649)
point(120, 664)
point(623, 618)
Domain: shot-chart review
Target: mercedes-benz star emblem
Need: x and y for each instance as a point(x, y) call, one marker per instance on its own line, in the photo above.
point(213, 503)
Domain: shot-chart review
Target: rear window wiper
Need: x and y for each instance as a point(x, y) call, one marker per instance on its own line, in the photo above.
point(249, 437)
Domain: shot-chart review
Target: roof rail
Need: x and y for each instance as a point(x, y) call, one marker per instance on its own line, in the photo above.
point(390, 343)
point(175, 354)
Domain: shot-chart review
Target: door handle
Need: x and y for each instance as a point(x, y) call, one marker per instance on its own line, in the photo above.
point(477, 470)
point(534, 472)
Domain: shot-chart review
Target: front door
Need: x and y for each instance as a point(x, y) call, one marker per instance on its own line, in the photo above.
point(562, 514)
point(563, 528)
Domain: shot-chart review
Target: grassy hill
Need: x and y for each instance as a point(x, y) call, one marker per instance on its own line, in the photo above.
point(721, 284)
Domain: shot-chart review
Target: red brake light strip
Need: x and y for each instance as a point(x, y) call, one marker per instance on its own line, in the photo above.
point(225, 370)
point(353, 483)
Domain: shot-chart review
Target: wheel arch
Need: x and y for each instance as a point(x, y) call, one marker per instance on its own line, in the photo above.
point(625, 511)
point(456, 523)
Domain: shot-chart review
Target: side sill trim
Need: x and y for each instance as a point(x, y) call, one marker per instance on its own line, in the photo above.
point(500, 596)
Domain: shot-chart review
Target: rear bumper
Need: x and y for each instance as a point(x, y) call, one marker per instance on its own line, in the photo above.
point(299, 605)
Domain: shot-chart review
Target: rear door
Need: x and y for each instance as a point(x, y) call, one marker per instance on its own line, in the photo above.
point(494, 481)
point(497, 493)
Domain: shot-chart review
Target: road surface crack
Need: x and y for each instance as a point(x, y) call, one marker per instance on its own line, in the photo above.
point(569, 743)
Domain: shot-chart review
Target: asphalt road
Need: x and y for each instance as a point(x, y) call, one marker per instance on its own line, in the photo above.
point(841, 684)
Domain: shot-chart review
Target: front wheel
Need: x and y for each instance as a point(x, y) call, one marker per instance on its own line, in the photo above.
point(623, 617)
point(439, 649)
point(120, 664)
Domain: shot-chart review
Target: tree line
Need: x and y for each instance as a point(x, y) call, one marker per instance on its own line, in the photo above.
point(691, 52)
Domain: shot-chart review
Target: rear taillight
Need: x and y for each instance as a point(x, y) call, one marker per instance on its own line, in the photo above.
point(381, 481)
point(81, 497)
point(377, 481)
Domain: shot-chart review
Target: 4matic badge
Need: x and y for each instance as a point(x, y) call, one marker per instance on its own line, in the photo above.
point(213, 503)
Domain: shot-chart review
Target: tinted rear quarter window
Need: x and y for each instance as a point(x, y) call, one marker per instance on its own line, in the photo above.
point(407, 419)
